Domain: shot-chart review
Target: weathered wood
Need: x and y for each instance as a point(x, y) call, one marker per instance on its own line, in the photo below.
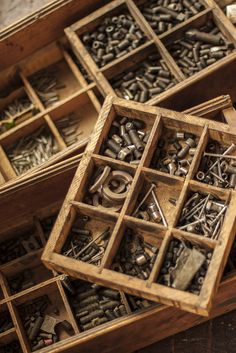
point(157, 118)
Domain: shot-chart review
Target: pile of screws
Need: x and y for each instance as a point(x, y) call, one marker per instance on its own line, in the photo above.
point(18, 110)
point(150, 210)
point(17, 247)
point(32, 150)
point(164, 15)
point(144, 82)
point(217, 166)
point(40, 326)
point(137, 303)
point(5, 322)
point(200, 48)
point(13, 347)
point(203, 214)
point(94, 305)
point(185, 266)
point(82, 245)
point(126, 140)
point(68, 127)
point(47, 225)
point(46, 84)
point(135, 256)
point(174, 154)
point(113, 38)
point(21, 281)
point(109, 188)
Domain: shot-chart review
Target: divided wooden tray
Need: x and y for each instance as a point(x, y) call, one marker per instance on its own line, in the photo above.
point(158, 121)
point(47, 202)
point(153, 44)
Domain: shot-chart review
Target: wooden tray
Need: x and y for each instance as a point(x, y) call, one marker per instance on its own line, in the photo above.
point(156, 120)
point(47, 201)
point(155, 44)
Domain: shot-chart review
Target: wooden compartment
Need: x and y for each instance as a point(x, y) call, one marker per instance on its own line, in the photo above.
point(47, 200)
point(167, 191)
point(146, 288)
point(169, 24)
point(16, 108)
point(51, 304)
point(6, 324)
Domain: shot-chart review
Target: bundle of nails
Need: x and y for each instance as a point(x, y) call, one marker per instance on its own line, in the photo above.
point(126, 140)
point(13, 347)
point(146, 80)
point(94, 305)
point(150, 210)
point(21, 281)
point(109, 188)
point(12, 249)
point(68, 127)
point(32, 150)
point(19, 108)
point(135, 256)
point(113, 38)
point(174, 154)
point(200, 48)
point(82, 245)
point(5, 321)
point(217, 166)
point(163, 15)
point(203, 214)
point(185, 266)
point(40, 321)
point(46, 84)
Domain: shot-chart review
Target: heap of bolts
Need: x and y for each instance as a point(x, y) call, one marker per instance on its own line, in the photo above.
point(21, 281)
point(177, 260)
point(126, 140)
point(137, 303)
point(113, 38)
point(40, 322)
point(17, 247)
point(174, 154)
point(135, 256)
point(109, 188)
point(46, 84)
point(13, 347)
point(94, 305)
point(217, 166)
point(150, 210)
point(32, 150)
point(20, 109)
point(68, 127)
point(203, 214)
point(200, 48)
point(5, 321)
point(81, 245)
point(163, 15)
point(147, 80)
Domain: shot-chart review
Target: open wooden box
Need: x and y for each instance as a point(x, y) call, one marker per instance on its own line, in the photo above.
point(141, 174)
point(109, 74)
point(33, 213)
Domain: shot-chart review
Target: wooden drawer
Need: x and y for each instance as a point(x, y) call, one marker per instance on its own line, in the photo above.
point(47, 201)
point(91, 196)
